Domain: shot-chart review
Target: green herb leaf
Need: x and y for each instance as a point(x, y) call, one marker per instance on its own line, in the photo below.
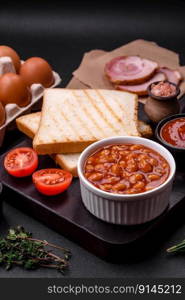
point(19, 248)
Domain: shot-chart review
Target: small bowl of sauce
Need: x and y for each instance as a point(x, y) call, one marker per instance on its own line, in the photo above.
point(173, 132)
point(170, 132)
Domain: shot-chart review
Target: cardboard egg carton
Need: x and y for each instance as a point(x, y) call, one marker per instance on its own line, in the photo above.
point(13, 110)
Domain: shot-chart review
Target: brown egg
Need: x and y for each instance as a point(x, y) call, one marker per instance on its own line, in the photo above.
point(2, 114)
point(37, 70)
point(7, 51)
point(14, 90)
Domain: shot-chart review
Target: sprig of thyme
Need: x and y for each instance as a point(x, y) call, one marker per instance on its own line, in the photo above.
point(179, 248)
point(19, 248)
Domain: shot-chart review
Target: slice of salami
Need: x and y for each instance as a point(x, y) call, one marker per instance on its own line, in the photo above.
point(141, 89)
point(130, 70)
point(172, 75)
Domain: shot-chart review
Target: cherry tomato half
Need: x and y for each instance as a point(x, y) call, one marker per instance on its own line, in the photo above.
point(21, 162)
point(51, 181)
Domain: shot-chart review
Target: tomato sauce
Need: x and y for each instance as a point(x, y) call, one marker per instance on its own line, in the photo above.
point(126, 169)
point(173, 132)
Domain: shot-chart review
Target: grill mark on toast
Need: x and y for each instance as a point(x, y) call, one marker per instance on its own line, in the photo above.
point(118, 119)
point(85, 112)
point(122, 108)
point(78, 118)
point(91, 115)
point(71, 126)
point(135, 119)
point(125, 114)
point(57, 125)
point(97, 109)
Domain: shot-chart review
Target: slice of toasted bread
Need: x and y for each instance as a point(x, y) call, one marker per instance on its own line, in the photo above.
point(68, 162)
point(29, 124)
point(145, 129)
point(73, 119)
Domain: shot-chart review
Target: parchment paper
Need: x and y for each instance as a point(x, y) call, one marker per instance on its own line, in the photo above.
point(75, 83)
point(91, 70)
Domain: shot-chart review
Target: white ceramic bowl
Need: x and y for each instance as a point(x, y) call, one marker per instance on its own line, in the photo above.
point(126, 209)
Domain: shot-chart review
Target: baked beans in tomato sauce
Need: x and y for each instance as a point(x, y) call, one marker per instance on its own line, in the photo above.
point(126, 169)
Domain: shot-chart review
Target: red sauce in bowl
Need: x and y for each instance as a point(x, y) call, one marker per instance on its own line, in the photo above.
point(173, 132)
point(126, 169)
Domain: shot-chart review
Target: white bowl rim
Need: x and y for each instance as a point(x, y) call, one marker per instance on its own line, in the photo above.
point(119, 140)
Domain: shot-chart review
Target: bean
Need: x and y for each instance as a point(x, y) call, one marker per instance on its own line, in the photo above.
point(102, 160)
point(153, 161)
point(132, 166)
point(145, 150)
point(159, 171)
point(126, 182)
point(125, 152)
point(135, 177)
point(114, 148)
point(143, 157)
point(119, 148)
point(99, 167)
point(135, 147)
point(148, 188)
point(95, 177)
point(153, 177)
point(145, 166)
point(107, 165)
point(89, 168)
point(115, 155)
point(90, 160)
point(112, 180)
point(106, 187)
point(131, 156)
point(132, 179)
point(105, 152)
point(115, 169)
point(139, 176)
point(119, 187)
point(122, 163)
point(124, 147)
point(131, 191)
point(139, 185)
point(110, 159)
point(164, 165)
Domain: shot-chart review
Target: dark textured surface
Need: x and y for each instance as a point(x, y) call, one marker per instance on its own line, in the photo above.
point(66, 214)
point(84, 264)
point(61, 33)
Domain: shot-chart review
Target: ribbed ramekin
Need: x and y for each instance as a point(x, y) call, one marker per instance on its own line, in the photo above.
point(125, 209)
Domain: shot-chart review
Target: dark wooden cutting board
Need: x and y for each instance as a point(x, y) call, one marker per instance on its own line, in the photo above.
point(66, 214)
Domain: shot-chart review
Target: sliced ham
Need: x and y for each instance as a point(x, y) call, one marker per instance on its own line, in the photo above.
point(141, 89)
point(172, 75)
point(130, 70)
